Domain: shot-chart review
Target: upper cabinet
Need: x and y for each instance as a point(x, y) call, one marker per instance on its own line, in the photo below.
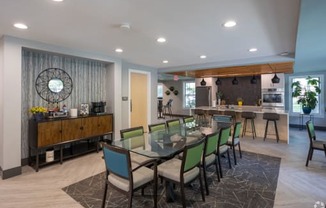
point(266, 81)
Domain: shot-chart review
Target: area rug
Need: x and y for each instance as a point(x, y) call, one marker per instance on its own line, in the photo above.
point(251, 183)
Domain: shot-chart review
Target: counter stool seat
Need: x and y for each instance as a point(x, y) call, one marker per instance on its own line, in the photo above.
point(200, 116)
point(249, 116)
point(271, 117)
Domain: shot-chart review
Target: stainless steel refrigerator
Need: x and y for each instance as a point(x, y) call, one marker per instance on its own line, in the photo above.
point(203, 96)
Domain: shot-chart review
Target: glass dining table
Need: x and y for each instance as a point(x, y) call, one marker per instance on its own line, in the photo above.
point(164, 144)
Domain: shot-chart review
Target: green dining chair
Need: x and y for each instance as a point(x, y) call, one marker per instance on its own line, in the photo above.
point(223, 147)
point(136, 135)
point(174, 126)
point(188, 119)
point(156, 127)
point(122, 177)
point(183, 172)
point(209, 156)
point(314, 144)
point(234, 140)
point(131, 132)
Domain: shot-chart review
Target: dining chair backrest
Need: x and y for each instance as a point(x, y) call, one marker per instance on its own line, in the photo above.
point(173, 123)
point(131, 132)
point(224, 135)
point(222, 118)
point(192, 155)
point(210, 144)
point(169, 103)
point(311, 131)
point(117, 161)
point(174, 126)
point(188, 119)
point(237, 130)
point(157, 127)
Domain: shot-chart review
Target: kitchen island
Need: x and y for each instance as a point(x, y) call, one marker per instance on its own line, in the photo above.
point(260, 123)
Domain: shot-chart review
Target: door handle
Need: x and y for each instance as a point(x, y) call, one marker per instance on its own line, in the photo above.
point(130, 105)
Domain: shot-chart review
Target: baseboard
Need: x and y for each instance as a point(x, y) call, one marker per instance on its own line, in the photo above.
point(11, 172)
point(24, 161)
point(320, 128)
point(174, 115)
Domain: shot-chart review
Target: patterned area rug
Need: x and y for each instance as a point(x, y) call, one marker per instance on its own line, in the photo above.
point(251, 183)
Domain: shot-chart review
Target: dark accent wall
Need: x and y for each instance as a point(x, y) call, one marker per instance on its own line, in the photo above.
point(250, 93)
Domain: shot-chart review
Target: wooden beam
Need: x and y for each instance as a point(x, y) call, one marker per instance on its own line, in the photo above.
point(248, 70)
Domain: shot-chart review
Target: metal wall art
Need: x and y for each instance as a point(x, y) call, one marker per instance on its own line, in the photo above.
point(53, 85)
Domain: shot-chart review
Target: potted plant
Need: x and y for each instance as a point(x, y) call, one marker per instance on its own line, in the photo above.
point(307, 95)
point(38, 112)
point(219, 96)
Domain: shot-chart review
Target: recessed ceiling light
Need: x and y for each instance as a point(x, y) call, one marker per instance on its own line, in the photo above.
point(202, 56)
point(125, 26)
point(118, 50)
point(165, 61)
point(284, 54)
point(230, 24)
point(161, 40)
point(58, 0)
point(20, 26)
point(252, 49)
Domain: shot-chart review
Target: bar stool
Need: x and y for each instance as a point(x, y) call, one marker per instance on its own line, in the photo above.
point(200, 116)
point(249, 116)
point(168, 107)
point(271, 117)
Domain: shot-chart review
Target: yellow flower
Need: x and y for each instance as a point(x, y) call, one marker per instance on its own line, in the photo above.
point(38, 109)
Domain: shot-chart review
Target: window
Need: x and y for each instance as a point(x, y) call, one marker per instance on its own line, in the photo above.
point(297, 108)
point(189, 94)
point(160, 90)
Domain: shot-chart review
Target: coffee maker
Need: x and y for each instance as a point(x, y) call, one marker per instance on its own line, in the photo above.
point(98, 107)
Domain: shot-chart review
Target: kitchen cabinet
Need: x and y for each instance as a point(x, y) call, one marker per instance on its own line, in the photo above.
point(56, 133)
point(266, 81)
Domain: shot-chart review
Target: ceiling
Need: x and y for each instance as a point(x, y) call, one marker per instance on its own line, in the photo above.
point(191, 27)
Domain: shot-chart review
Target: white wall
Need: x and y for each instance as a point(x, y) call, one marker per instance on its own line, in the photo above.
point(10, 103)
point(1, 100)
point(11, 106)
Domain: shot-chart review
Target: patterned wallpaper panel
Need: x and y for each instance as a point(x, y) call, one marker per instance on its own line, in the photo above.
point(89, 79)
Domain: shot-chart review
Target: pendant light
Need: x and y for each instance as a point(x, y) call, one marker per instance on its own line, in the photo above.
point(203, 83)
point(235, 81)
point(275, 79)
point(253, 80)
point(218, 81)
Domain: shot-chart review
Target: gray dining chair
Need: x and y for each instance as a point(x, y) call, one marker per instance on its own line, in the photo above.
point(314, 144)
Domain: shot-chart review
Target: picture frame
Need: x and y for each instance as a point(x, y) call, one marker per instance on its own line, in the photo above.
point(84, 109)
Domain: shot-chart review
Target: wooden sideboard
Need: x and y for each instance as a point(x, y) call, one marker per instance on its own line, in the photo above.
point(60, 132)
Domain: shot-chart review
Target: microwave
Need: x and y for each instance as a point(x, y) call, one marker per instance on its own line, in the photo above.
point(273, 97)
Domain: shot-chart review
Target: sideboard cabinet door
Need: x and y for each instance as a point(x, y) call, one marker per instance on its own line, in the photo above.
point(89, 126)
point(105, 124)
point(71, 129)
point(48, 133)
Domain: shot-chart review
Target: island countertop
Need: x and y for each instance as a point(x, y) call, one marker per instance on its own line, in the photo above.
point(236, 108)
point(260, 123)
